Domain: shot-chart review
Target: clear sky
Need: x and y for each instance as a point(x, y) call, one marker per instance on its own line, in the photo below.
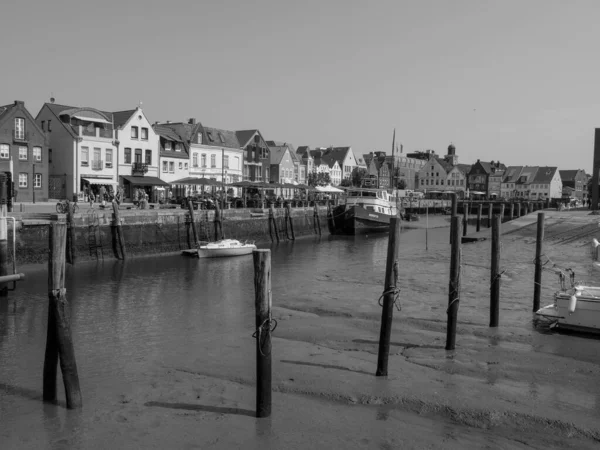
point(515, 81)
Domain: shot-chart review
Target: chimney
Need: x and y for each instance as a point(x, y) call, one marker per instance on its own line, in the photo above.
point(19, 102)
point(192, 121)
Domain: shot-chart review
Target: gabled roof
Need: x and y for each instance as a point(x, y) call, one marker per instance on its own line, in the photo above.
point(464, 168)
point(166, 132)
point(528, 172)
point(544, 175)
point(59, 110)
point(217, 137)
point(511, 174)
point(568, 175)
point(445, 164)
point(490, 166)
point(6, 110)
point(245, 136)
point(121, 117)
point(277, 154)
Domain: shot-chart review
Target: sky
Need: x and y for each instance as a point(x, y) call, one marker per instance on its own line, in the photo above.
point(515, 81)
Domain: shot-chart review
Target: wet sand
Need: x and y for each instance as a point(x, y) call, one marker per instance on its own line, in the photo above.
point(517, 386)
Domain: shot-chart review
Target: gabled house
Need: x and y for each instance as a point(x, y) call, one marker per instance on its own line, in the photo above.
point(577, 180)
point(319, 165)
point(137, 156)
point(306, 160)
point(508, 186)
point(524, 181)
point(222, 153)
point(81, 143)
point(478, 178)
point(173, 162)
point(285, 165)
point(546, 184)
point(24, 153)
point(383, 173)
point(257, 159)
point(434, 174)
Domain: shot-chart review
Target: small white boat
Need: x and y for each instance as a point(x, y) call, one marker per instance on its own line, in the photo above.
point(575, 308)
point(222, 248)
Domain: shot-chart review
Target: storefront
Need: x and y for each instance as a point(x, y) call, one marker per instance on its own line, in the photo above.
point(153, 187)
point(93, 186)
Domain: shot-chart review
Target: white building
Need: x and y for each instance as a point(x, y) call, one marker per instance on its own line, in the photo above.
point(82, 147)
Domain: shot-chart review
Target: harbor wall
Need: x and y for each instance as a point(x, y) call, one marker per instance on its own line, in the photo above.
point(156, 231)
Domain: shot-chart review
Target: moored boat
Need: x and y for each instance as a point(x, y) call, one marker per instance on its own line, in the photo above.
point(222, 248)
point(364, 211)
point(575, 308)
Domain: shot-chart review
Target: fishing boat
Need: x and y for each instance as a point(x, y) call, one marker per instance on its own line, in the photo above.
point(365, 210)
point(575, 308)
point(222, 248)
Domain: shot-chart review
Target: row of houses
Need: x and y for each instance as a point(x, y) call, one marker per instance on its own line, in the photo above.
point(71, 151)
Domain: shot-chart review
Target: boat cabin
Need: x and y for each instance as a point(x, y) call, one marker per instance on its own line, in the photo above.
point(376, 200)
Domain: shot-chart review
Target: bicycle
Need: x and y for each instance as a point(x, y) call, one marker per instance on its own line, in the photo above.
point(62, 208)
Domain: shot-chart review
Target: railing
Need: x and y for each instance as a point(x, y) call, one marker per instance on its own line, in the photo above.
point(93, 131)
point(97, 165)
point(139, 168)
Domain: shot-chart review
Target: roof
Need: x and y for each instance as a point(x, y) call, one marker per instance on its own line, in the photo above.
point(544, 175)
point(568, 175)
point(488, 166)
point(5, 111)
point(167, 132)
point(59, 110)
point(511, 174)
point(245, 136)
point(445, 164)
point(277, 154)
point(464, 168)
point(121, 117)
point(220, 138)
point(528, 172)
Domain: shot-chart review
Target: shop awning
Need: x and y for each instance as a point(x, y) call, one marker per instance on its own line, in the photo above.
point(100, 181)
point(144, 181)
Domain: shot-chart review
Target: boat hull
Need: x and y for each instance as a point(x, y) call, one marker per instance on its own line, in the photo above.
point(224, 252)
point(357, 220)
point(577, 309)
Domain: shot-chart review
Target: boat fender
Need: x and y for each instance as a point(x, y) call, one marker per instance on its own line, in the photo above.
point(595, 242)
point(572, 304)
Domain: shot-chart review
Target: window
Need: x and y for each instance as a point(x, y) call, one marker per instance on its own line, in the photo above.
point(180, 165)
point(37, 153)
point(22, 153)
point(109, 158)
point(185, 166)
point(4, 151)
point(37, 181)
point(221, 138)
point(145, 134)
point(19, 128)
point(165, 166)
point(97, 154)
point(43, 125)
point(127, 155)
point(210, 137)
point(213, 161)
point(195, 160)
point(167, 145)
point(203, 159)
point(23, 180)
point(49, 125)
point(149, 157)
point(50, 155)
point(226, 162)
point(138, 155)
point(172, 166)
point(177, 147)
point(134, 132)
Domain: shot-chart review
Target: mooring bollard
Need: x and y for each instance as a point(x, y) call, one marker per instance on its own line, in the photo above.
point(59, 343)
point(539, 243)
point(119, 229)
point(479, 211)
point(3, 249)
point(495, 273)
point(263, 304)
point(389, 297)
point(454, 286)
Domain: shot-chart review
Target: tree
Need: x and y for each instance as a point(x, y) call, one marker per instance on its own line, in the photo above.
point(318, 179)
point(346, 182)
point(357, 176)
point(401, 184)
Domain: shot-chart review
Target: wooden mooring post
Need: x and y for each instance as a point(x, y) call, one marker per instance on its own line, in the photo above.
point(4, 265)
point(479, 211)
point(453, 212)
point(273, 222)
point(263, 304)
point(389, 297)
point(59, 342)
point(218, 223)
point(193, 221)
point(465, 218)
point(512, 211)
point(70, 234)
point(539, 248)
point(454, 285)
point(289, 219)
point(317, 219)
point(118, 229)
point(490, 212)
point(502, 207)
point(525, 208)
point(495, 273)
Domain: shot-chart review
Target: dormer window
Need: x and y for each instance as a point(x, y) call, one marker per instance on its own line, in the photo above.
point(221, 138)
point(210, 137)
point(199, 138)
point(167, 145)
